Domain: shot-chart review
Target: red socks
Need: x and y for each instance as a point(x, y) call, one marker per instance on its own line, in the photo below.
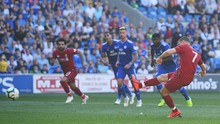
point(78, 92)
point(169, 101)
point(65, 87)
point(151, 82)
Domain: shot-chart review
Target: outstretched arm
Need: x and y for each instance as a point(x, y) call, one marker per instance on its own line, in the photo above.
point(203, 71)
point(165, 54)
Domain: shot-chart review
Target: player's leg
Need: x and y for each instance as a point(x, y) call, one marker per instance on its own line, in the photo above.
point(170, 87)
point(118, 100)
point(160, 70)
point(169, 101)
point(131, 72)
point(162, 102)
point(71, 81)
point(65, 86)
point(123, 91)
point(150, 82)
point(120, 81)
point(185, 94)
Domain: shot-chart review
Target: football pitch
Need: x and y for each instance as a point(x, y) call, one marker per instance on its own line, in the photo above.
point(100, 109)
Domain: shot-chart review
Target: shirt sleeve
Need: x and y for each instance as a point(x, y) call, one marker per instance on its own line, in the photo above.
point(179, 48)
point(103, 49)
point(134, 48)
point(73, 51)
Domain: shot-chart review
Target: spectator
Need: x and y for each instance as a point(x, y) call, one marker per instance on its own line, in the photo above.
point(142, 70)
point(27, 57)
point(115, 13)
point(134, 4)
point(45, 70)
point(90, 10)
point(36, 70)
point(67, 11)
point(43, 61)
point(6, 53)
point(90, 67)
point(163, 4)
point(210, 7)
point(57, 70)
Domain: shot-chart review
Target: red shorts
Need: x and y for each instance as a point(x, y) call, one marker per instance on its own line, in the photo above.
point(70, 75)
point(176, 81)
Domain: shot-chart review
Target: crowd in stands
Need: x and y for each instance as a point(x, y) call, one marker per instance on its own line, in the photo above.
point(29, 29)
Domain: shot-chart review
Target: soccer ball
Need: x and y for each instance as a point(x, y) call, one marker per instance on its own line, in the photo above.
point(12, 93)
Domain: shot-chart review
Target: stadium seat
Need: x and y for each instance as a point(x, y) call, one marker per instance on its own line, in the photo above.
point(197, 17)
point(188, 18)
point(208, 18)
point(152, 14)
point(142, 8)
point(217, 61)
point(160, 9)
point(162, 14)
point(152, 9)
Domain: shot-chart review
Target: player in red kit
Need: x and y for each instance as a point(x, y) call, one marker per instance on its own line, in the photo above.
point(189, 59)
point(64, 56)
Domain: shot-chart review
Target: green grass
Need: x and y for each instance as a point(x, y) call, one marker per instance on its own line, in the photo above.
point(51, 109)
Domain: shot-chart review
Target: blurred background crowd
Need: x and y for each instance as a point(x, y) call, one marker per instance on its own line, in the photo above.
point(29, 29)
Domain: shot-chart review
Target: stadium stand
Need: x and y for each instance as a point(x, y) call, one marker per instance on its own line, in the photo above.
point(29, 28)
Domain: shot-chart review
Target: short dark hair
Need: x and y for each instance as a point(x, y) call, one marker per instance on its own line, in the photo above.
point(61, 40)
point(185, 38)
point(156, 35)
point(107, 32)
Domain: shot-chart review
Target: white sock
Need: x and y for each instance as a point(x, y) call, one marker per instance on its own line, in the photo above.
point(174, 108)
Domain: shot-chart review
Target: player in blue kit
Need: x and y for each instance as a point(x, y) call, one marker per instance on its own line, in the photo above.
point(157, 48)
point(127, 55)
point(110, 55)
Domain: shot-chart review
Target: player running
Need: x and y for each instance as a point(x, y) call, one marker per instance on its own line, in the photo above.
point(127, 55)
point(109, 55)
point(64, 56)
point(157, 48)
point(189, 59)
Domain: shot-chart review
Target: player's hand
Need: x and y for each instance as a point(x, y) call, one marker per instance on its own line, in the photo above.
point(127, 66)
point(202, 73)
point(159, 61)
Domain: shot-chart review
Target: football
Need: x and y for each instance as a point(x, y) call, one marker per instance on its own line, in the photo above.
point(12, 93)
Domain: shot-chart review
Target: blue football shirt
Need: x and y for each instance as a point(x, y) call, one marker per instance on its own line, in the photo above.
point(126, 50)
point(112, 52)
point(165, 67)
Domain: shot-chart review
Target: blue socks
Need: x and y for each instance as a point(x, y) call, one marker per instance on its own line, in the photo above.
point(122, 90)
point(119, 93)
point(126, 89)
point(159, 86)
point(184, 93)
point(138, 94)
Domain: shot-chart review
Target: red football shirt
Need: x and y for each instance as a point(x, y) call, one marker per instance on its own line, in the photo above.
point(189, 59)
point(65, 59)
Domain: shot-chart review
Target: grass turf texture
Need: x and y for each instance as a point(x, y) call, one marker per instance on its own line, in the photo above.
point(100, 109)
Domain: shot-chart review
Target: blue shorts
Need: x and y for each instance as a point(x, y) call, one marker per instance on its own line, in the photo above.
point(165, 69)
point(122, 72)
